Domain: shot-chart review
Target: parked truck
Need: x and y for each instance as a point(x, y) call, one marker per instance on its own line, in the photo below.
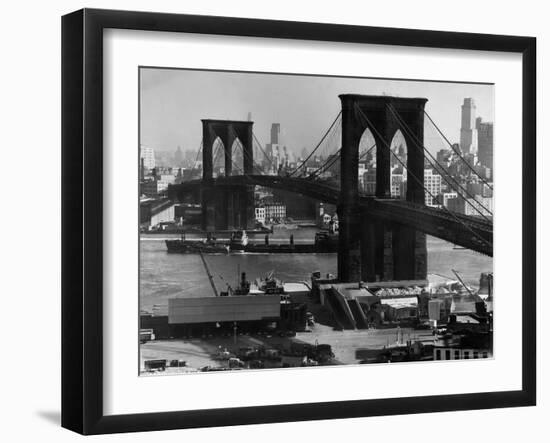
point(146, 335)
point(155, 365)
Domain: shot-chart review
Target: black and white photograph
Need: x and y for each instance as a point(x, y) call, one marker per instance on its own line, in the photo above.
point(293, 221)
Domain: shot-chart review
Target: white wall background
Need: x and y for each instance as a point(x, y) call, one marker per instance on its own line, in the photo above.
point(30, 225)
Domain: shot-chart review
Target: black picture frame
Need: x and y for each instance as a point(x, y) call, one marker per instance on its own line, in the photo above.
point(82, 250)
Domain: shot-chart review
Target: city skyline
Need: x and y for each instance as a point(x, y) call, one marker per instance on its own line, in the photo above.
point(172, 103)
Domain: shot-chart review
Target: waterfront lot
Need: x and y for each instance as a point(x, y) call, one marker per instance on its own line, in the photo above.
point(200, 352)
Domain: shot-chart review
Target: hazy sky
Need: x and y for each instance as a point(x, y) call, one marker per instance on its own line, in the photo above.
point(173, 102)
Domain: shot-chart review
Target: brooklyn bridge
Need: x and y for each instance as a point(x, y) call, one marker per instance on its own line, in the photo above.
point(380, 237)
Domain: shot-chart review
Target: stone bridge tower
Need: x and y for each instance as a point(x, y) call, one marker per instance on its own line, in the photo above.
point(227, 208)
point(370, 249)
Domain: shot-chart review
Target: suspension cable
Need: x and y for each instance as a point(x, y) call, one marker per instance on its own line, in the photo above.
point(217, 151)
point(418, 144)
point(327, 164)
point(416, 178)
point(331, 158)
point(318, 144)
point(335, 158)
point(246, 155)
point(458, 153)
point(261, 149)
point(196, 159)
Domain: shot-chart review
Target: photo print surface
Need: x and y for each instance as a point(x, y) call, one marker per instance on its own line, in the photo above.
point(293, 221)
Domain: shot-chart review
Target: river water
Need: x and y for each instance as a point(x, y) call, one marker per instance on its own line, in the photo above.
point(163, 275)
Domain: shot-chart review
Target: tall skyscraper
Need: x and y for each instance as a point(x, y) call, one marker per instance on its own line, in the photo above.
point(272, 148)
point(275, 131)
point(485, 142)
point(468, 131)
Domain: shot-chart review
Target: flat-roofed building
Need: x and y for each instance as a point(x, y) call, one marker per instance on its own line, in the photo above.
point(259, 213)
point(432, 182)
point(274, 211)
point(224, 309)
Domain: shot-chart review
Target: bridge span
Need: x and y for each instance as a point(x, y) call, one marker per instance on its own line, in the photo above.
point(469, 232)
point(379, 238)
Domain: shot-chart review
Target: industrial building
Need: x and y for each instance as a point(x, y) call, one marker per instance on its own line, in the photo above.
point(222, 314)
point(153, 212)
point(223, 309)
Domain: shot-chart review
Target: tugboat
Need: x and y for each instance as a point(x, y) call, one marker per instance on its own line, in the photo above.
point(242, 288)
point(208, 246)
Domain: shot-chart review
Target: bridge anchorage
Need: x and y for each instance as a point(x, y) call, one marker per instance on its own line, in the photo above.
point(380, 238)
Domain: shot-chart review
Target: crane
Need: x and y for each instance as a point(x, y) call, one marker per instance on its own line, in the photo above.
point(462, 281)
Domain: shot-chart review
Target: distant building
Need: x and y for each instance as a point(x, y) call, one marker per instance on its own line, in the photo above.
point(398, 183)
point(162, 170)
point(474, 188)
point(452, 353)
point(484, 172)
point(485, 142)
point(445, 197)
point(148, 156)
point(178, 157)
point(155, 212)
point(470, 206)
point(432, 183)
point(153, 188)
point(272, 149)
point(361, 172)
point(399, 156)
point(435, 309)
point(274, 211)
point(275, 132)
point(189, 157)
point(369, 182)
point(325, 213)
point(327, 218)
point(482, 204)
point(399, 308)
point(468, 131)
point(310, 170)
point(444, 157)
point(168, 178)
point(259, 213)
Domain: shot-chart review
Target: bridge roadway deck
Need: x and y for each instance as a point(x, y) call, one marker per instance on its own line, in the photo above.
point(470, 232)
